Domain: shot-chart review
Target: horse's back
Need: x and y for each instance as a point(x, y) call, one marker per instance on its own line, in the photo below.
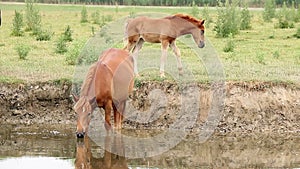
point(115, 74)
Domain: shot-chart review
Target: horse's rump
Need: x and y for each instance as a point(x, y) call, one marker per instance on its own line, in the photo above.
point(115, 74)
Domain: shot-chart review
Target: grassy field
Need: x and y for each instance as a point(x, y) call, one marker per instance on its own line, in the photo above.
point(260, 54)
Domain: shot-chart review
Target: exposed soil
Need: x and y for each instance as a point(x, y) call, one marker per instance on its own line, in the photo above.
point(248, 106)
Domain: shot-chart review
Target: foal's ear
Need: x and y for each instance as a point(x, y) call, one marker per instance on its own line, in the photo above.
point(202, 22)
point(75, 98)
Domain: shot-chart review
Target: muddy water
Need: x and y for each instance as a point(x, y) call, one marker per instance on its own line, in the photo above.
point(45, 147)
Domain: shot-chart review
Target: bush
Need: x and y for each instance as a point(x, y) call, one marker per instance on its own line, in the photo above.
point(206, 16)
point(84, 15)
point(245, 19)
point(18, 24)
point(22, 51)
point(269, 10)
point(61, 46)
point(96, 17)
point(229, 47)
point(297, 35)
point(67, 35)
point(33, 17)
point(285, 17)
point(195, 10)
point(228, 21)
point(44, 35)
point(74, 52)
point(260, 58)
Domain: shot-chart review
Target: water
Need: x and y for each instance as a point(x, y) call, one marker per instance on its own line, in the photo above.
point(57, 147)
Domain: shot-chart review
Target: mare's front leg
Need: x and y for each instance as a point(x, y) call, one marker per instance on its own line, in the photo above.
point(164, 54)
point(107, 109)
point(178, 57)
point(118, 115)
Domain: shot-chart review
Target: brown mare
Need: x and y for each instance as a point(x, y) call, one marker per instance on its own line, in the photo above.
point(165, 31)
point(107, 85)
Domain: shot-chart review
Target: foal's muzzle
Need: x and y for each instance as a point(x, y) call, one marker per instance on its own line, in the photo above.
point(201, 44)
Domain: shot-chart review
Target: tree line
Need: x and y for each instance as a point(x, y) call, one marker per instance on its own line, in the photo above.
point(252, 3)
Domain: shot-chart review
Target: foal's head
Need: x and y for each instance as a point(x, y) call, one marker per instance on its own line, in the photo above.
point(198, 34)
point(83, 108)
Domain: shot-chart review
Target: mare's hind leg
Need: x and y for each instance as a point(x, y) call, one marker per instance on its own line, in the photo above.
point(178, 57)
point(135, 54)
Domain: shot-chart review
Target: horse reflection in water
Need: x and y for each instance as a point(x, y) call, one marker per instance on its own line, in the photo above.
point(85, 159)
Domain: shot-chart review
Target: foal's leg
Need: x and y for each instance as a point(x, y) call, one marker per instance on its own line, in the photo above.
point(164, 48)
point(135, 54)
point(178, 56)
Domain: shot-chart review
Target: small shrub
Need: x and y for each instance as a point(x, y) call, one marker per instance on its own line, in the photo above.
point(132, 14)
point(195, 10)
point(67, 35)
point(61, 46)
point(74, 52)
point(84, 15)
point(22, 51)
point(276, 55)
point(96, 17)
point(33, 17)
point(245, 19)
point(269, 10)
point(229, 47)
point(297, 35)
point(260, 58)
point(18, 24)
point(228, 20)
point(206, 16)
point(44, 35)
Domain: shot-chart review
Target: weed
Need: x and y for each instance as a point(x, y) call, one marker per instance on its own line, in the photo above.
point(74, 52)
point(229, 47)
point(22, 51)
point(61, 46)
point(84, 15)
point(297, 35)
point(195, 10)
point(260, 58)
point(44, 35)
point(67, 35)
point(96, 17)
point(245, 19)
point(276, 54)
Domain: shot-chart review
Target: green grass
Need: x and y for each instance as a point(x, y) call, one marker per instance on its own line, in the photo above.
point(43, 64)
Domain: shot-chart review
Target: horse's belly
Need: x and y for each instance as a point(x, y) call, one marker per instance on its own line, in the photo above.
point(152, 38)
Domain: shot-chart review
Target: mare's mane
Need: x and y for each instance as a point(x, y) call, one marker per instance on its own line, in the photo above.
point(88, 80)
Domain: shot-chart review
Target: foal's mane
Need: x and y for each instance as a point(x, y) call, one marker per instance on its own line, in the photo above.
point(88, 80)
point(187, 18)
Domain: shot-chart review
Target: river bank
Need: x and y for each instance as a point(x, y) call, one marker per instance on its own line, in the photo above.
point(249, 107)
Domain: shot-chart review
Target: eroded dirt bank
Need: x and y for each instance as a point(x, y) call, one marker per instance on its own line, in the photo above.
point(248, 107)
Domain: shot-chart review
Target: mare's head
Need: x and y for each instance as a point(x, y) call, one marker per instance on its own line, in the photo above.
point(83, 108)
point(198, 33)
